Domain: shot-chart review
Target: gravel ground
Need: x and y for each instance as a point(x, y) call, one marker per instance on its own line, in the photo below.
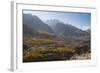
point(81, 57)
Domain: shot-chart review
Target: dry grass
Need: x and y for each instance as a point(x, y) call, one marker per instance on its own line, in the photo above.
point(41, 54)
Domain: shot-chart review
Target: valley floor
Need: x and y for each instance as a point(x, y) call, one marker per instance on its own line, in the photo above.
point(47, 48)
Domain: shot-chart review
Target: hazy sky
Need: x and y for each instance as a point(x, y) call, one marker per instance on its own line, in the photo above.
point(80, 20)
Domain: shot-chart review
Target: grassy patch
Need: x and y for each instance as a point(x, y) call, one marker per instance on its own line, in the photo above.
point(45, 54)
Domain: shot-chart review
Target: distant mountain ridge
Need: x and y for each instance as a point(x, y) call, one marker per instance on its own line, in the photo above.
point(33, 23)
point(65, 29)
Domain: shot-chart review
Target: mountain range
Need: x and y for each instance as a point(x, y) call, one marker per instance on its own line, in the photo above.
point(33, 24)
